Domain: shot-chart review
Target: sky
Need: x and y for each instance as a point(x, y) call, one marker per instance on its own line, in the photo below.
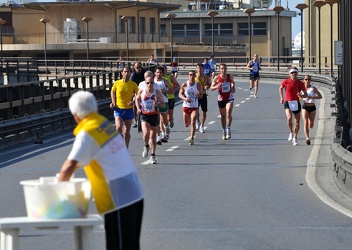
point(296, 21)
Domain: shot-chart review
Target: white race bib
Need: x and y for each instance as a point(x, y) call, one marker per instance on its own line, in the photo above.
point(293, 105)
point(225, 87)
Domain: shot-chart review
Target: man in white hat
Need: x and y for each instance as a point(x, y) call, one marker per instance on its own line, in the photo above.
point(293, 88)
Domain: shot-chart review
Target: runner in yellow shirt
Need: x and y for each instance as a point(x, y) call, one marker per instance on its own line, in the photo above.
point(122, 100)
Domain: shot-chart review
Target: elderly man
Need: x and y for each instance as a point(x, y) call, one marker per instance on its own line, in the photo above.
point(116, 188)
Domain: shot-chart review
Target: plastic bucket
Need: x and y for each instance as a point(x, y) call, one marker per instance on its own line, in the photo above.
point(46, 198)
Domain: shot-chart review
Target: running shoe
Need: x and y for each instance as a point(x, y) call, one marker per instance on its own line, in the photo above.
point(308, 141)
point(294, 141)
point(153, 159)
point(163, 139)
point(167, 136)
point(228, 134)
point(254, 96)
point(134, 124)
point(171, 124)
point(201, 129)
point(167, 130)
point(191, 141)
point(145, 152)
point(290, 136)
point(159, 142)
point(197, 125)
point(224, 136)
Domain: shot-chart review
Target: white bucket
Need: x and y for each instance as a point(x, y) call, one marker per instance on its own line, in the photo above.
point(46, 198)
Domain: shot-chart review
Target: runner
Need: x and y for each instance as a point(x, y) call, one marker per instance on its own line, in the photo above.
point(225, 85)
point(189, 93)
point(204, 81)
point(207, 67)
point(309, 108)
point(212, 64)
point(137, 76)
point(165, 87)
point(254, 66)
point(171, 100)
point(150, 99)
point(293, 88)
point(122, 93)
point(174, 67)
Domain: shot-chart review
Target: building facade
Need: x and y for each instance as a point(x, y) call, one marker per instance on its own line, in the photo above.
point(65, 34)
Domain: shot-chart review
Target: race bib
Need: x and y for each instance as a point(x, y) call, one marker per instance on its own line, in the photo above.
point(293, 105)
point(225, 87)
point(149, 106)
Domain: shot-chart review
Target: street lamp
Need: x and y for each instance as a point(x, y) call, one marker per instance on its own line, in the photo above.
point(278, 9)
point(301, 7)
point(319, 4)
point(212, 14)
point(126, 18)
point(45, 21)
point(2, 22)
point(331, 2)
point(249, 12)
point(171, 16)
point(87, 19)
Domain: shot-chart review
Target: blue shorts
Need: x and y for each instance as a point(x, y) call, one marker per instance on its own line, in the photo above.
point(125, 114)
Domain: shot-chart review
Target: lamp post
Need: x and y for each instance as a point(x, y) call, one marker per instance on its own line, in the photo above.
point(45, 21)
point(249, 12)
point(278, 9)
point(87, 19)
point(171, 16)
point(319, 4)
point(212, 14)
point(126, 18)
point(2, 22)
point(331, 3)
point(301, 7)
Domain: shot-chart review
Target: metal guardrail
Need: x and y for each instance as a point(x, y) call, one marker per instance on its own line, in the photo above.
point(35, 128)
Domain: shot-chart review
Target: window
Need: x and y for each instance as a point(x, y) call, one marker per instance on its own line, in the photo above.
point(219, 29)
point(258, 29)
point(131, 25)
point(163, 29)
point(185, 30)
point(121, 25)
point(152, 25)
point(142, 25)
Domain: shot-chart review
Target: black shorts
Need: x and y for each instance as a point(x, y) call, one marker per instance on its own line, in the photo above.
point(222, 104)
point(295, 112)
point(254, 76)
point(171, 103)
point(153, 120)
point(309, 108)
point(203, 103)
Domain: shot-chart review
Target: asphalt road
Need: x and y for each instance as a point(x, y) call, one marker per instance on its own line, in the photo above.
point(250, 192)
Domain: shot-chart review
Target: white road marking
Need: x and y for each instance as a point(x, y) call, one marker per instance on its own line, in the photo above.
point(237, 105)
point(172, 148)
point(212, 122)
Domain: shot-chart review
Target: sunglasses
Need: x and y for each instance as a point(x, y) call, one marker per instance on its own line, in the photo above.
point(307, 79)
point(149, 82)
point(191, 74)
point(138, 67)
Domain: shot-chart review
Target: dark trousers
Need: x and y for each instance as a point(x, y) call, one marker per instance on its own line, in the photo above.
point(123, 227)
